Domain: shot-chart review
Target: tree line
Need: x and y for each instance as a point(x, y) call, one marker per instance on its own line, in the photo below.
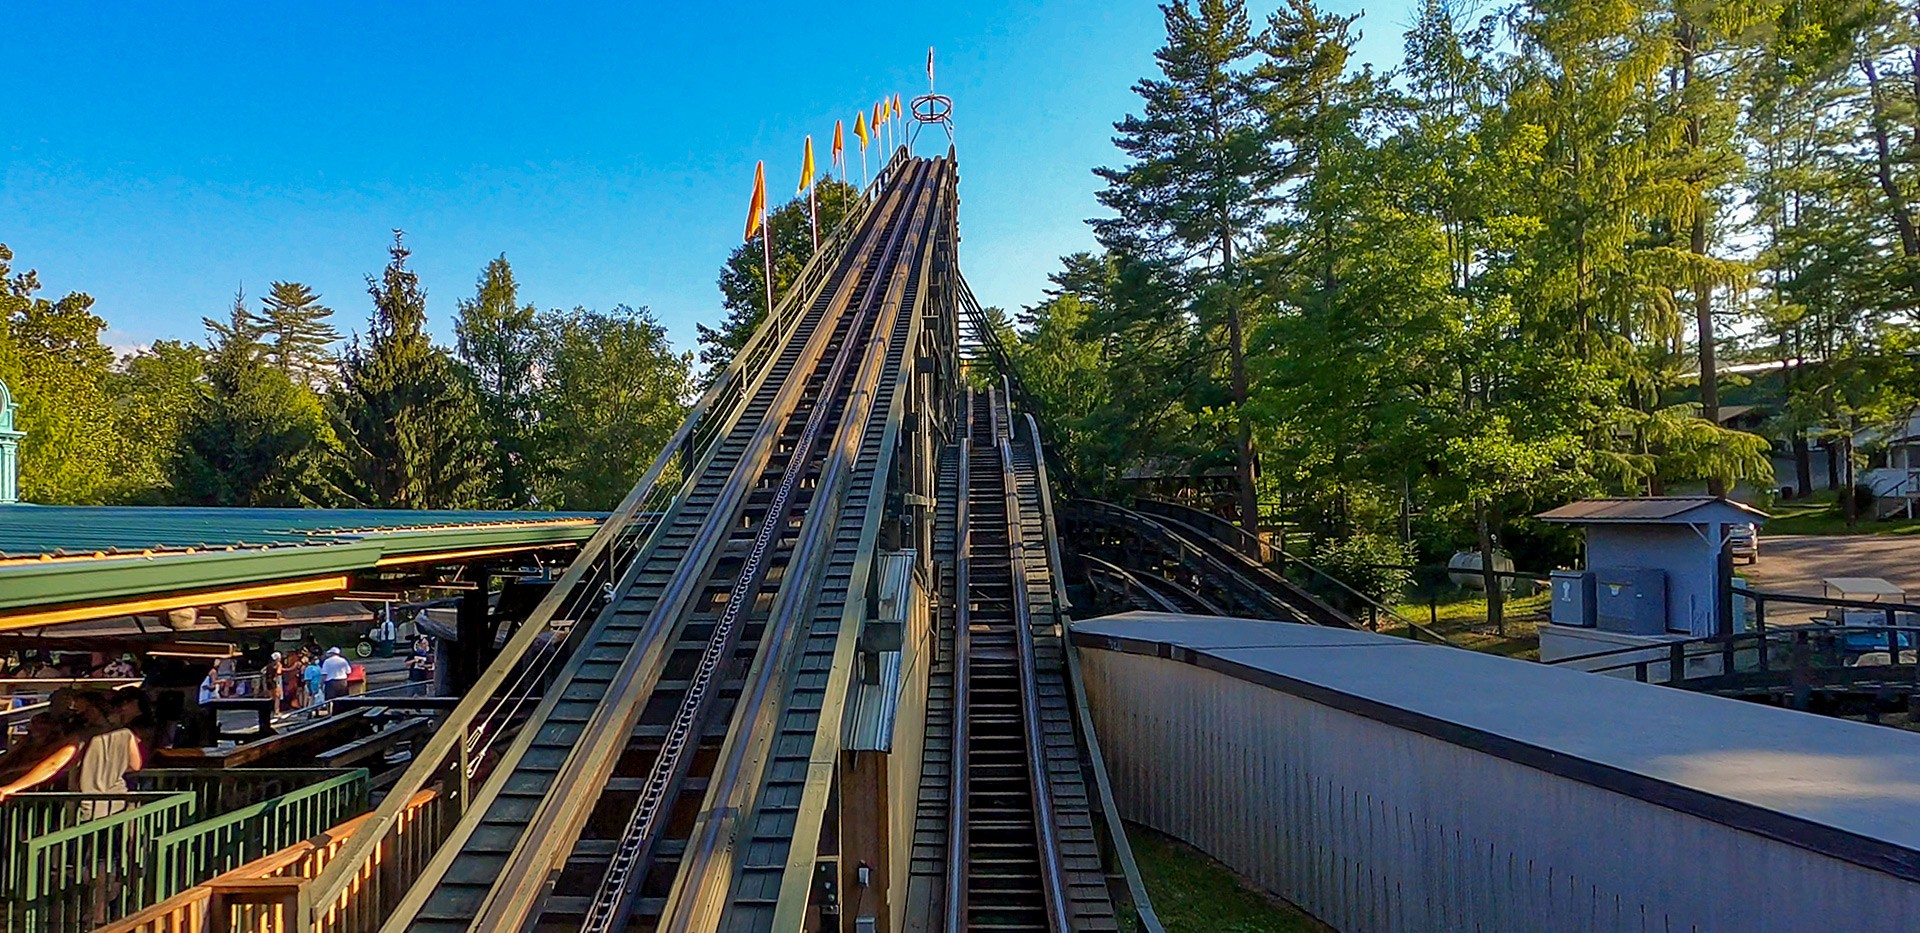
point(529, 409)
point(1417, 302)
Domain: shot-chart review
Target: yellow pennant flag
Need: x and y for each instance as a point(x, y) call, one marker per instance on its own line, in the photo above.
point(896, 106)
point(806, 166)
point(757, 208)
point(860, 129)
point(839, 142)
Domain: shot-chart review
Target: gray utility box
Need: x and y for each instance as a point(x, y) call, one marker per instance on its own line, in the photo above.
point(1572, 598)
point(1630, 600)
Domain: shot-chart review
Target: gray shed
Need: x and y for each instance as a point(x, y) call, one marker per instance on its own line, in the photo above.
point(1654, 572)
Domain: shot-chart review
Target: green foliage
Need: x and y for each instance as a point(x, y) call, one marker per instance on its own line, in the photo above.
point(743, 280)
point(302, 340)
point(406, 415)
point(255, 436)
point(611, 396)
point(498, 341)
point(156, 392)
point(52, 359)
point(1374, 564)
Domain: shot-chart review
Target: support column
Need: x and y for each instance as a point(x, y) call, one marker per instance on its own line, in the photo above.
point(474, 646)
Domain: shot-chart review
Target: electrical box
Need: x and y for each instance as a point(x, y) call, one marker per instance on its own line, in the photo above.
point(1630, 600)
point(1572, 598)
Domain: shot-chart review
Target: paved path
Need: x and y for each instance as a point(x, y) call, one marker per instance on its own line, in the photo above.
point(1797, 563)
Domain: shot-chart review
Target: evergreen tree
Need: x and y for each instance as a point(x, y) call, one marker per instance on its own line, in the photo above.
point(301, 339)
point(497, 342)
point(255, 436)
point(1212, 155)
point(743, 280)
point(406, 415)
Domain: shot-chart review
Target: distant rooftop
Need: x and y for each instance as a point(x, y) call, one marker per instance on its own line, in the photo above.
point(40, 532)
point(62, 564)
point(1643, 509)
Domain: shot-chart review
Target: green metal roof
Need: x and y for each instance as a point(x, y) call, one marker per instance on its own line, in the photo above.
point(51, 555)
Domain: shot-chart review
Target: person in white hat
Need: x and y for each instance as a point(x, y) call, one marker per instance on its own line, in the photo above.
point(334, 671)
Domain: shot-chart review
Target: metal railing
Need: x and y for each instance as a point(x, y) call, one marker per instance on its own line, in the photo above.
point(72, 861)
point(223, 790)
point(514, 684)
point(200, 850)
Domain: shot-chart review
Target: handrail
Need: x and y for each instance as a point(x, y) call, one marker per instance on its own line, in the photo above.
point(1053, 885)
point(452, 738)
point(1110, 810)
point(956, 918)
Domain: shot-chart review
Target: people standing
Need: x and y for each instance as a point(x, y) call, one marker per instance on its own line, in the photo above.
point(313, 681)
point(270, 679)
point(334, 671)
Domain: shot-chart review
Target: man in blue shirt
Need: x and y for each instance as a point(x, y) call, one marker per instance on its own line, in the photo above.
point(311, 678)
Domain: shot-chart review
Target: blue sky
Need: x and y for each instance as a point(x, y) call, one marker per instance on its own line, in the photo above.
point(161, 155)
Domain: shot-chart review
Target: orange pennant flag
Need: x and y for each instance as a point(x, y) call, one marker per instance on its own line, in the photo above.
point(860, 129)
point(896, 106)
point(806, 166)
point(757, 208)
point(839, 142)
point(876, 116)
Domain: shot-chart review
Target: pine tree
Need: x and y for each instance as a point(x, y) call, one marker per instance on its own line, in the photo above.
point(496, 340)
point(301, 338)
point(255, 436)
point(407, 416)
point(1212, 155)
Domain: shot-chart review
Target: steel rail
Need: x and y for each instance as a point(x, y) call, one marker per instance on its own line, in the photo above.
point(611, 901)
point(1136, 886)
point(558, 820)
point(1045, 828)
point(956, 915)
point(731, 800)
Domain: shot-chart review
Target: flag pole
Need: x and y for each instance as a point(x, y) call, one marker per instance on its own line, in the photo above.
point(813, 219)
point(766, 245)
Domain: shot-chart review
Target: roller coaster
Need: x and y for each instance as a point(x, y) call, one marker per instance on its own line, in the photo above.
point(812, 673)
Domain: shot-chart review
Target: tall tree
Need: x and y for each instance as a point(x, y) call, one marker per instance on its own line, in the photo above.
point(497, 341)
point(1211, 155)
point(300, 338)
point(407, 416)
point(743, 280)
point(612, 394)
point(52, 359)
point(255, 436)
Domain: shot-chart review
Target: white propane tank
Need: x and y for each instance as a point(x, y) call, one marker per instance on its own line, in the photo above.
point(1463, 568)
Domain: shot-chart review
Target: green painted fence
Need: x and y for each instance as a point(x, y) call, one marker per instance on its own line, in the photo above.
point(224, 790)
point(72, 861)
point(198, 851)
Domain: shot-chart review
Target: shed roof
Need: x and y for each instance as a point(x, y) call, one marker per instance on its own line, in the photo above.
point(43, 531)
point(1653, 510)
point(1827, 784)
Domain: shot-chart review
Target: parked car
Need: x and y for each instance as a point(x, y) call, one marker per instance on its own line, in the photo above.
point(1743, 541)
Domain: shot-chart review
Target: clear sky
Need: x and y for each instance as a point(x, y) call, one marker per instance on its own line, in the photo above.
point(161, 155)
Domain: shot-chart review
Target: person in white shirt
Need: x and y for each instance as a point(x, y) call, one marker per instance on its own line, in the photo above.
point(334, 671)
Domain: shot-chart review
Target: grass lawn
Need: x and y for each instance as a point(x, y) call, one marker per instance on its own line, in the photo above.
point(1465, 621)
point(1821, 515)
point(1195, 894)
